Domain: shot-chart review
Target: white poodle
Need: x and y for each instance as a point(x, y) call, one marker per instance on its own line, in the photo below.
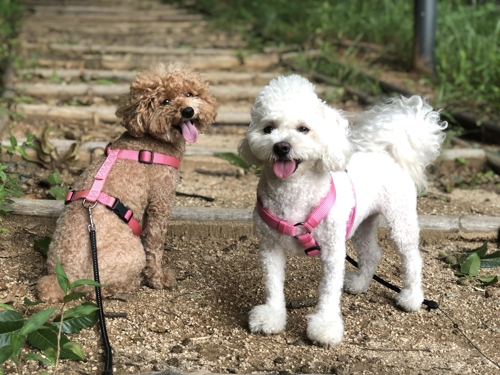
point(338, 180)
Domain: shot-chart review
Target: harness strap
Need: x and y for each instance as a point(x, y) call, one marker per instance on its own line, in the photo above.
point(95, 193)
point(145, 157)
point(112, 203)
point(319, 213)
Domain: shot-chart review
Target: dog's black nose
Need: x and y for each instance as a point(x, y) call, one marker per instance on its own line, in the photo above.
point(187, 112)
point(282, 149)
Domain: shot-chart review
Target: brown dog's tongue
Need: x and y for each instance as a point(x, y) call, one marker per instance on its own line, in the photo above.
point(189, 131)
point(284, 168)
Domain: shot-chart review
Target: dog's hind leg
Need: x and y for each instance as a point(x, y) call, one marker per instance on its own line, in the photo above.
point(405, 234)
point(271, 316)
point(369, 254)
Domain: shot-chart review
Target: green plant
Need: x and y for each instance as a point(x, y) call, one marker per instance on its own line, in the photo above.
point(468, 265)
point(48, 337)
point(58, 190)
point(363, 33)
point(9, 181)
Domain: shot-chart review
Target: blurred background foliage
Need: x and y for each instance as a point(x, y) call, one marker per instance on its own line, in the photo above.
point(10, 19)
point(467, 39)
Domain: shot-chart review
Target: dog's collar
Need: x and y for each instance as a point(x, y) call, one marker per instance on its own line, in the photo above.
point(95, 193)
point(319, 213)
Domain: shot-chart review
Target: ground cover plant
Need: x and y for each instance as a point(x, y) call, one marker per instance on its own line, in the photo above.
point(467, 40)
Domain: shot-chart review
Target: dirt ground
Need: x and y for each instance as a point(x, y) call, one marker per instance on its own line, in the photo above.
point(201, 324)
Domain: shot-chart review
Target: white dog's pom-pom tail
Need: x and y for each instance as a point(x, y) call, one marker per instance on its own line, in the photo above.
point(408, 129)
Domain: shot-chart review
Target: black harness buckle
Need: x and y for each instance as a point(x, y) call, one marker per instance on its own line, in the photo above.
point(121, 210)
point(314, 248)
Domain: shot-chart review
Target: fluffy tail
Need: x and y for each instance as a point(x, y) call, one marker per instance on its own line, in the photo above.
point(407, 129)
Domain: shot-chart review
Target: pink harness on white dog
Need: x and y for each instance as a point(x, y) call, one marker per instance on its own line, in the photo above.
point(312, 221)
point(96, 195)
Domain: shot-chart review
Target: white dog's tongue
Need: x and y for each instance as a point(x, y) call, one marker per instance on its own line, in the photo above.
point(189, 131)
point(284, 168)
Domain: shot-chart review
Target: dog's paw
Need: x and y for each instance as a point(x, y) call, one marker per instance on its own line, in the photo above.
point(325, 331)
point(410, 299)
point(354, 283)
point(49, 290)
point(165, 278)
point(266, 319)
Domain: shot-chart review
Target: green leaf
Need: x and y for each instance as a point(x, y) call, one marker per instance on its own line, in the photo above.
point(46, 337)
point(471, 265)
point(5, 353)
point(54, 178)
point(490, 263)
point(28, 302)
point(10, 322)
point(82, 282)
point(51, 354)
point(13, 141)
point(21, 151)
point(59, 192)
point(480, 251)
point(489, 280)
point(62, 278)
point(233, 159)
point(496, 254)
point(6, 307)
point(78, 318)
point(37, 320)
point(39, 358)
point(72, 297)
point(16, 344)
point(74, 348)
point(42, 245)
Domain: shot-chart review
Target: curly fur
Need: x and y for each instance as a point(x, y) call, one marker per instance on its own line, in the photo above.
point(385, 154)
point(126, 260)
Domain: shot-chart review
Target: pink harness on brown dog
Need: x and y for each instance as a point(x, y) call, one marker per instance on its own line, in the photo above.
point(311, 222)
point(95, 193)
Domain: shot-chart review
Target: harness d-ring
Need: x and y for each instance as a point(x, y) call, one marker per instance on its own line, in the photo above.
point(91, 227)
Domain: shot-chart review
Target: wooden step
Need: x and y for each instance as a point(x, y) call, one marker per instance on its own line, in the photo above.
point(214, 77)
point(221, 92)
point(107, 114)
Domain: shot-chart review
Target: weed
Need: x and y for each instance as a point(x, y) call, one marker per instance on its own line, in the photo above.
point(8, 181)
point(49, 337)
point(468, 265)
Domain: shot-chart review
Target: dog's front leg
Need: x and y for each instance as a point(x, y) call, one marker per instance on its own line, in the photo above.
point(325, 326)
point(271, 316)
point(153, 241)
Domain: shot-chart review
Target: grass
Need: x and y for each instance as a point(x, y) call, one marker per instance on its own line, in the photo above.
point(467, 40)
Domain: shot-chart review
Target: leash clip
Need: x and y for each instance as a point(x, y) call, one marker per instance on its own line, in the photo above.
point(91, 227)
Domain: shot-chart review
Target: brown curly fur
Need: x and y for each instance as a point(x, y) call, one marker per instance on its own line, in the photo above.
point(126, 260)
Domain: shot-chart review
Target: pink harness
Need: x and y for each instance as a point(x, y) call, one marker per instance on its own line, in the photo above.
point(319, 213)
point(96, 195)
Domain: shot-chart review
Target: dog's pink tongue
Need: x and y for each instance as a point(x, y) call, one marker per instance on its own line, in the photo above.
point(284, 168)
point(189, 131)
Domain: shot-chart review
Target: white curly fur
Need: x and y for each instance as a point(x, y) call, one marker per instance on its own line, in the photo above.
point(385, 154)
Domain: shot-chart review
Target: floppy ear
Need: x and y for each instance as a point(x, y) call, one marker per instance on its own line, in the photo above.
point(336, 145)
point(246, 153)
point(135, 113)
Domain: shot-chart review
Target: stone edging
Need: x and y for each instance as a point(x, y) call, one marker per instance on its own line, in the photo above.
point(454, 224)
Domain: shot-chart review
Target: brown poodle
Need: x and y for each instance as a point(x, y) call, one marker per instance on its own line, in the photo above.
point(165, 108)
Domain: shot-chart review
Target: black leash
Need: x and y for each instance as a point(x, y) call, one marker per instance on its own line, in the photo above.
point(431, 305)
point(108, 355)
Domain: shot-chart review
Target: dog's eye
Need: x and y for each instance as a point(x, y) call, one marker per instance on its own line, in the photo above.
point(189, 94)
point(303, 129)
point(166, 101)
point(268, 129)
